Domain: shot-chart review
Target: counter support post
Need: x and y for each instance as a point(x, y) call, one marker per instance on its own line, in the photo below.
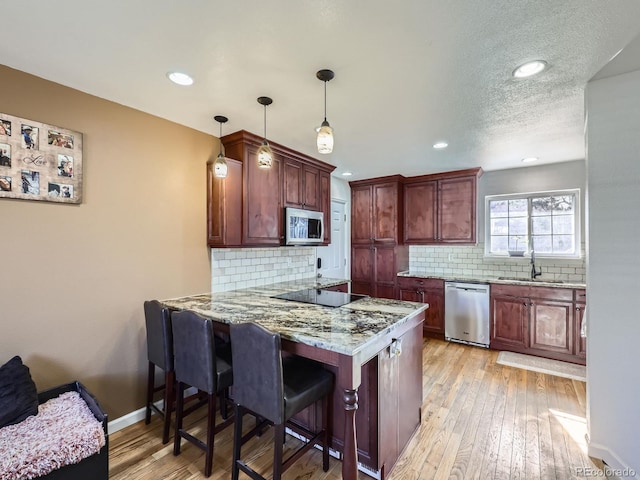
point(350, 453)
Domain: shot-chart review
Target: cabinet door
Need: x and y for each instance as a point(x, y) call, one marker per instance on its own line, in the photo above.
point(362, 269)
point(410, 295)
point(420, 208)
point(361, 211)
point(457, 210)
point(551, 326)
point(385, 212)
point(224, 206)
point(262, 219)
point(385, 272)
point(292, 183)
point(510, 317)
point(311, 188)
point(434, 316)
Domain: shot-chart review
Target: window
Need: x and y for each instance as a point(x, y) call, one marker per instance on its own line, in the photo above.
point(548, 222)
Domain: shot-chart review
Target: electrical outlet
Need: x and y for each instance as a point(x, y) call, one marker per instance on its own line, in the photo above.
point(451, 257)
point(312, 261)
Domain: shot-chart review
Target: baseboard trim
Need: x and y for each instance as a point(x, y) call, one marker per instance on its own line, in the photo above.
point(617, 469)
point(134, 417)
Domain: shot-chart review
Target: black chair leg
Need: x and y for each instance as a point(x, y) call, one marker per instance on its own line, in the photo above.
point(237, 442)
point(278, 442)
point(224, 404)
point(150, 388)
point(179, 410)
point(211, 427)
point(169, 400)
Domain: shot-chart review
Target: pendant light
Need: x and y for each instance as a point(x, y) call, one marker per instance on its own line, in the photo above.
point(265, 155)
point(220, 165)
point(325, 132)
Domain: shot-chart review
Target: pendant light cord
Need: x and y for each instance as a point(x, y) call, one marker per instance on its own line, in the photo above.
point(325, 101)
point(265, 122)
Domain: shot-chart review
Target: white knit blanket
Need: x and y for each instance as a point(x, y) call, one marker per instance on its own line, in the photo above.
point(64, 432)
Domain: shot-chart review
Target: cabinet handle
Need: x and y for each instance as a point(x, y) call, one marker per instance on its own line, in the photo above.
point(578, 309)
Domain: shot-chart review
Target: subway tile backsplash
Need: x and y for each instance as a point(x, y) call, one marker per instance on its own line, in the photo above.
point(468, 261)
point(234, 268)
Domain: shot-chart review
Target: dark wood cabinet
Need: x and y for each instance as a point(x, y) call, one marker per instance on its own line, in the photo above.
point(374, 269)
point(376, 207)
point(224, 206)
point(535, 320)
point(376, 256)
point(301, 185)
point(426, 290)
point(389, 404)
point(441, 208)
point(251, 200)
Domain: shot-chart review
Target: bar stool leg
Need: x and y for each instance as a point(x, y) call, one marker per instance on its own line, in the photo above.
point(150, 388)
point(211, 427)
point(237, 442)
point(278, 442)
point(179, 410)
point(169, 394)
point(325, 438)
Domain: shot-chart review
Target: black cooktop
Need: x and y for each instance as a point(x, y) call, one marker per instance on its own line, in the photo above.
point(326, 298)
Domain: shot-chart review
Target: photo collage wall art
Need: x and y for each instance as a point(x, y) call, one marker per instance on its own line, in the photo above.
point(39, 161)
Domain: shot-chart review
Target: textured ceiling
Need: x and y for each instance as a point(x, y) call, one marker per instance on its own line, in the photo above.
point(407, 73)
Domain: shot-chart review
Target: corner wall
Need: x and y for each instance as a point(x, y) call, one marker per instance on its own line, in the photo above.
point(613, 172)
point(73, 278)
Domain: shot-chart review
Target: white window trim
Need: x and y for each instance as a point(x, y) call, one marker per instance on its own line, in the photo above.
point(511, 196)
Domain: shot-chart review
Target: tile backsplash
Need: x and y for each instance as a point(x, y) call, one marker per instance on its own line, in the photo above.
point(233, 268)
point(468, 261)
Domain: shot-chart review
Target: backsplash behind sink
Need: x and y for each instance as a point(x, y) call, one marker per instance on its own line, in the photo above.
point(468, 261)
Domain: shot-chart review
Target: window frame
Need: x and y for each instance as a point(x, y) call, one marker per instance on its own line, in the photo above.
point(575, 192)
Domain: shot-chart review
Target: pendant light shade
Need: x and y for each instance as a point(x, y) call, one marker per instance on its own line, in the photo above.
point(325, 132)
point(220, 167)
point(265, 155)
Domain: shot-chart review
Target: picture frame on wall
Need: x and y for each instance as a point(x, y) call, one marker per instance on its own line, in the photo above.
point(39, 161)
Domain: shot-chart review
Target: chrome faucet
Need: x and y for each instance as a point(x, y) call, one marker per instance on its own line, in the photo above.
point(534, 272)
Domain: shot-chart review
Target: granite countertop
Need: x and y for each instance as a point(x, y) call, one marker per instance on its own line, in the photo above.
point(498, 280)
point(347, 329)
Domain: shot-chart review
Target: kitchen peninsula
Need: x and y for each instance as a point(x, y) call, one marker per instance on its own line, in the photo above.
point(373, 346)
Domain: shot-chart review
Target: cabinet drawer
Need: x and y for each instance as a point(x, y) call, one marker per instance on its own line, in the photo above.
point(417, 283)
point(510, 290)
point(550, 293)
point(580, 296)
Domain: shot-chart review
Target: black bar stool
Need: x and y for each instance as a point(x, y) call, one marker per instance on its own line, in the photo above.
point(274, 388)
point(159, 354)
point(199, 363)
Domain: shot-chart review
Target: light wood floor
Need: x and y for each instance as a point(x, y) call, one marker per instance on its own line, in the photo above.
point(480, 420)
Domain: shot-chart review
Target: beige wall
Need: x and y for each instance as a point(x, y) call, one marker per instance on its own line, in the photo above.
point(73, 277)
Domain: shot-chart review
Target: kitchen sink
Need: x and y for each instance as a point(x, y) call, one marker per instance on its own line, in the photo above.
point(523, 279)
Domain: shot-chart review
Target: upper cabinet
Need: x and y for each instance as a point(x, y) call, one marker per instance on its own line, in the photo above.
point(441, 208)
point(376, 210)
point(246, 207)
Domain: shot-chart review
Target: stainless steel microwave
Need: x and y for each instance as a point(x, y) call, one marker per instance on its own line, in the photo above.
point(303, 227)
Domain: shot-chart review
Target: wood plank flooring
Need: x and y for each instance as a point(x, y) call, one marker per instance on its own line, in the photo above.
point(480, 420)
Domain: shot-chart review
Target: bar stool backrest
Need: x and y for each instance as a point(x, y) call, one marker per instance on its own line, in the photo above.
point(257, 370)
point(194, 351)
point(159, 335)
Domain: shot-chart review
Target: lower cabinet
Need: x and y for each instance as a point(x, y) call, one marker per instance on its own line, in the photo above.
point(389, 404)
point(426, 290)
point(374, 269)
point(537, 321)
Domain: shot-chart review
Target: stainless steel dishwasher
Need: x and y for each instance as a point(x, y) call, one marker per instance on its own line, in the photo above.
point(466, 313)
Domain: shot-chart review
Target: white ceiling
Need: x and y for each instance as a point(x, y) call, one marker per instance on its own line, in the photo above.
point(408, 73)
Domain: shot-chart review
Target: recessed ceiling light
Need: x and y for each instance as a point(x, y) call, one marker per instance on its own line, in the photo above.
point(180, 78)
point(440, 145)
point(530, 68)
point(346, 174)
point(529, 159)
